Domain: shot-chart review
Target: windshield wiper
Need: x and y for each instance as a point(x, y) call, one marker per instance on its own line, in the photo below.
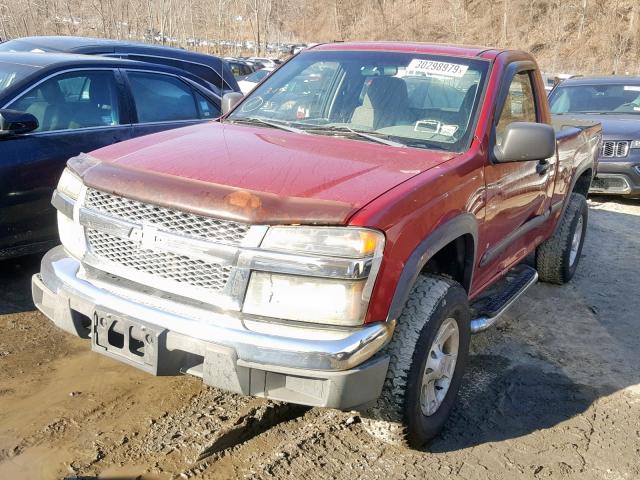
point(424, 144)
point(269, 123)
point(359, 133)
point(373, 138)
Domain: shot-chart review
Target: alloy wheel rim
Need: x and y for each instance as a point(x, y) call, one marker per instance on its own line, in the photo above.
point(575, 242)
point(440, 367)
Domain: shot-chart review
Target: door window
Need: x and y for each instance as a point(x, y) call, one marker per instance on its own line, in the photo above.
point(519, 106)
point(203, 71)
point(73, 100)
point(236, 69)
point(163, 98)
point(206, 108)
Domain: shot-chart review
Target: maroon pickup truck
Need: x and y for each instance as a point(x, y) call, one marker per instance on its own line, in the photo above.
point(335, 238)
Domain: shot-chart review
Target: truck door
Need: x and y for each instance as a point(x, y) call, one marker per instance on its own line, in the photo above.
point(518, 195)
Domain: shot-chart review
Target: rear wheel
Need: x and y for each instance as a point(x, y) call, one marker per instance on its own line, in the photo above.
point(557, 258)
point(428, 355)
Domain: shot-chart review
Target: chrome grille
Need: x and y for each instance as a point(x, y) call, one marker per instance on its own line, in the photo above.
point(221, 231)
point(178, 268)
point(611, 148)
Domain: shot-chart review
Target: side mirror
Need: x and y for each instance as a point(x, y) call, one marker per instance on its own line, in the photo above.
point(524, 141)
point(13, 122)
point(230, 100)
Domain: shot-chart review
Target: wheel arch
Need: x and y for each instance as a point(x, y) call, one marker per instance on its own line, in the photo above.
point(458, 233)
point(581, 180)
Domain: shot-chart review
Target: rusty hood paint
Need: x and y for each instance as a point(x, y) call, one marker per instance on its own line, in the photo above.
point(253, 174)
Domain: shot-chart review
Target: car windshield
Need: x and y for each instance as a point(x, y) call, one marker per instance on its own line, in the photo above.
point(610, 98)
point(24, 46)
point(402, 99)
point(11, 73)
point(256, 76)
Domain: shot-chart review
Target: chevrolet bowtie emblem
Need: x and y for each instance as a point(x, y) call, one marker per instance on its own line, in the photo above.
point(147, 236)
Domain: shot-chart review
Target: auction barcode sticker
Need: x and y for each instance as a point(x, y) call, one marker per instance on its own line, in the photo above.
point(431, 67)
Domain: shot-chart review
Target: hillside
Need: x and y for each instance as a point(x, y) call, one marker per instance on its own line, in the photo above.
point(578, 36)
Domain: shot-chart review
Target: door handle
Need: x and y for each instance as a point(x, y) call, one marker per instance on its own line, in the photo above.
point(542, 167)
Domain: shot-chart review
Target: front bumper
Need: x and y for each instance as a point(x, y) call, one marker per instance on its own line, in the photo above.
point(335, 368)
point(617, 178)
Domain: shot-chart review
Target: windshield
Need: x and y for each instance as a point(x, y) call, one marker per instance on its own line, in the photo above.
point(610, 98)
point(256, 76)
point(397, 98)
point(11, 73)
point(23, 46)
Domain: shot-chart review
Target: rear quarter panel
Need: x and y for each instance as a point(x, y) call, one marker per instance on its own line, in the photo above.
point(578, 146)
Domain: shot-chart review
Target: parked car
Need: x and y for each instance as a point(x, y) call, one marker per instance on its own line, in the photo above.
point(334, 250)
point(266, 62)
point(249, 82)
point(295, 49)
point(614, 101)
point(239, 68)
point(214, 71)
point(54, 106)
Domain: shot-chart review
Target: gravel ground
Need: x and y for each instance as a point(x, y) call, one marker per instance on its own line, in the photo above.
point(553, 391)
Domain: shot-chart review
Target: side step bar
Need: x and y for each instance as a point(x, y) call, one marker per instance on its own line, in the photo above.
point(488, 308)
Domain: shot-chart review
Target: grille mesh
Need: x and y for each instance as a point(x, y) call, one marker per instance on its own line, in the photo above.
point(178, 268)
point(222, 231)
point(613, 184)
point(615, 149)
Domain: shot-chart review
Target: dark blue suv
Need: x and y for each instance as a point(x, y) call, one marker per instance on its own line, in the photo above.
point(213, 70)
point(55, 106)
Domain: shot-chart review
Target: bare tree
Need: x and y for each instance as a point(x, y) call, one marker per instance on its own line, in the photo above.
point(587, 36)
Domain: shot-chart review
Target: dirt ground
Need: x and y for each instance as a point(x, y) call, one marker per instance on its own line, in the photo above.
point(553, 392)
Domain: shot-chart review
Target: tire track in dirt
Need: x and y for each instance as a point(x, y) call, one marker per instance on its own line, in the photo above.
point(207, 426)
point(552, 392)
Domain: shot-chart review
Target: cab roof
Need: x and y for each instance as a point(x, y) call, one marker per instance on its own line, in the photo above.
point(415, 47)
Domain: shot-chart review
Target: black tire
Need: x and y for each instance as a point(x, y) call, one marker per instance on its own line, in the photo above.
point(553, 256)
point(397, 417)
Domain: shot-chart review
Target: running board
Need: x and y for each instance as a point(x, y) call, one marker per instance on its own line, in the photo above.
point(488, 308)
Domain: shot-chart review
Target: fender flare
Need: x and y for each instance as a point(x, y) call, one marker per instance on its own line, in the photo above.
point(565, 203)
point(463, 224)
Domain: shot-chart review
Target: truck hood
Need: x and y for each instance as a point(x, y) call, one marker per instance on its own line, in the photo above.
point(253, 174)
point(614, 127)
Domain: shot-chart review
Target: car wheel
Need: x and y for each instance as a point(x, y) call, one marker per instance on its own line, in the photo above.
point(557, 258)
point(428, 355)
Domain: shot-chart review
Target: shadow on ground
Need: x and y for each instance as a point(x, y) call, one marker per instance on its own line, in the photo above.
point(561, 347)
point(499, 401)
point(559, 350)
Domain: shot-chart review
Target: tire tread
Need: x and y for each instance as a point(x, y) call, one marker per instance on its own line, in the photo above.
point(385, 420)
point(551, 253)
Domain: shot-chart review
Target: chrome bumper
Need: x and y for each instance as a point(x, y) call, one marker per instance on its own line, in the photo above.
point(232, 350)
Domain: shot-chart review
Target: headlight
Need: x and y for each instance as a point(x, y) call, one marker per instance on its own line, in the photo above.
point(71, 236)
point(325, 298)
point(70, 184)
point(348, 242)
point(70, 231)
point(306, 299)
point(635, 144)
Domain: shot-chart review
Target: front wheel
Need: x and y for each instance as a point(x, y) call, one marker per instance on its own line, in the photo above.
point(428, 355)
